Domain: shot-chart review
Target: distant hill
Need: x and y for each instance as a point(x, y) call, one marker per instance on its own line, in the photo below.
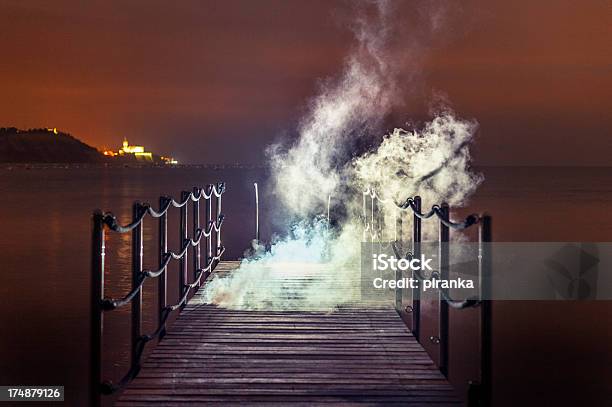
point(44, 146)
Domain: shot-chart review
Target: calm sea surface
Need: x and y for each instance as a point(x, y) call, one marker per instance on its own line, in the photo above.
point(45, 216)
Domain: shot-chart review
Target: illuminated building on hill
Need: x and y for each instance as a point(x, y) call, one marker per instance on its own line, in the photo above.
point(138, 151)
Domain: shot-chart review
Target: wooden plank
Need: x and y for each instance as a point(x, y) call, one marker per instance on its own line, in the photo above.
point(354, 355)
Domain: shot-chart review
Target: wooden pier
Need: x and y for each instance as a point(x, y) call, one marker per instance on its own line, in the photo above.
point(292, 333)
point(356, 355)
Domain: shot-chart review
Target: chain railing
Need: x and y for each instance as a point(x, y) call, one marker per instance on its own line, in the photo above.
point(479, 393)
point(101, 304)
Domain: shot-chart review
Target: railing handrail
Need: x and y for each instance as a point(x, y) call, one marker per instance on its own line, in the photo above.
point(480, 392)
point(437, 210)
point(101, 304)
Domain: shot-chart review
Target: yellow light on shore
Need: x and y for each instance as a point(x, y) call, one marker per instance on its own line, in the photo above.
point(137, 151)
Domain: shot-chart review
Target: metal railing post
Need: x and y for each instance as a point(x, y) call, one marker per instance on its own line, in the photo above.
point(443, 308)
point(183, 240)
point(380, 219)
point(97, 295)
point(196, 227)
point(136, 277)
point(208, 222)
point(486, 311)
point(372, 230)
point(218, 214)
point(399, 292)
point(328, 212)
point(162, 285)
point(257, 213)
point(416, 250)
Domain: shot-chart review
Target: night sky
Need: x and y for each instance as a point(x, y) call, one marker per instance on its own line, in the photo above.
point(216, 81)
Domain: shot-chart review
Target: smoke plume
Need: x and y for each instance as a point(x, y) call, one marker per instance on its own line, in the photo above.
point(316, 266)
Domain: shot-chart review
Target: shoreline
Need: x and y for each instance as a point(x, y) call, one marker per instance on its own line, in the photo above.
point(43, 166)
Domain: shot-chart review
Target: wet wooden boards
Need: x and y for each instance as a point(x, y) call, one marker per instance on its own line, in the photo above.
point(214, 356)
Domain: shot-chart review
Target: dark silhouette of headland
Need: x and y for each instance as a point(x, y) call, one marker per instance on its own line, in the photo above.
point(44, 146)
point(47, 146)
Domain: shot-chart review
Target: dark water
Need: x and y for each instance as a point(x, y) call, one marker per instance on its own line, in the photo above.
point(545, 353)
point(44, 268)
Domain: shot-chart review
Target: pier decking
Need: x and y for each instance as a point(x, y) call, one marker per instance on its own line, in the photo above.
point(354, 355)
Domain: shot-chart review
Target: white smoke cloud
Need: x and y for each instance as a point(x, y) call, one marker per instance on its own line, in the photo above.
point(432, 162)
point(357, 101)
point(313, 267)
point(308, 269)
